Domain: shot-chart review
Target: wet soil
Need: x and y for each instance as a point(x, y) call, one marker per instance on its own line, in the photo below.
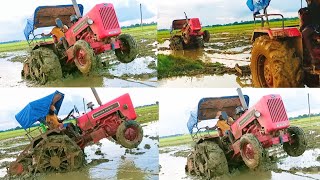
point(105, 160)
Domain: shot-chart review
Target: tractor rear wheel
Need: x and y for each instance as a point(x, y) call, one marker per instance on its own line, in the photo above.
point(274, 64)
point(206, 36)
point(58, 153)
point(199, 42)
point(84, 57)
point(42, 66)
point(128, 49)
point(129, 134)
point(251, 151)
point(176, 43)
point(298, 144)
point(208, 160)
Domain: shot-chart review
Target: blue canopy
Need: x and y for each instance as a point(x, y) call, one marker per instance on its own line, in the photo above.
point(208, 108)
point(37, 110)
point(256, 5)
point(44, 16)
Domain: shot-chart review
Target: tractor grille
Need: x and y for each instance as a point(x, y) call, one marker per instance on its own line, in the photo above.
point(277, 110)
point(109, 18)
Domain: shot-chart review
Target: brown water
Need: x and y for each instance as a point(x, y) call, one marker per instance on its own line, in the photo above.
point(134, 74)
point(139, 163)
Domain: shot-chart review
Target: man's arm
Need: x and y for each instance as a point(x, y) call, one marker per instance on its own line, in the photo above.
point(46, 35)
point(212, 128)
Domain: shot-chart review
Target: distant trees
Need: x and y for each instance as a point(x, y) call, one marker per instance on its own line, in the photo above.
point(305, 116)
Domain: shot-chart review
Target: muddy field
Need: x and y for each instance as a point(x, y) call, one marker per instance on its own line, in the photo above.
point(105, 160)
point(173, 160)
point(226, 48)
point(142, 72)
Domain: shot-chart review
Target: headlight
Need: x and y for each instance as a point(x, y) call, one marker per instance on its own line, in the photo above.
point(257, 114)
point(90, 21)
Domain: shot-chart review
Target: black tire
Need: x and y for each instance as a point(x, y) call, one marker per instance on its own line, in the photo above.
point(129, 49)
point(58, 153)
point(250, 144)
point(43, 65)
point(274, 64)
point(199, 42)
point(206, 36)
point(299, 145)
point(208, 160)
point(176, 43)
point(84, 57)
point(121, 134)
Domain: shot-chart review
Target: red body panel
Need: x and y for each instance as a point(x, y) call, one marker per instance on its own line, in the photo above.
point(195, 24)
point(97, 116)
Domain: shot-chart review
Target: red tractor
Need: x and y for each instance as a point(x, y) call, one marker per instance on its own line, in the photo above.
point(84, 38)
point(262, 126)
point(61, 149)
point(279, 57)
point(186, 33)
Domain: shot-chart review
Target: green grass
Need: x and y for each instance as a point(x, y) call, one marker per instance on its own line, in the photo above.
point(232, 29)
point(305, 123)
point(23, 45)
point(145, 115)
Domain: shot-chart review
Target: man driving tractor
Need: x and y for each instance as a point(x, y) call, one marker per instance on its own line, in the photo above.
point(223, 122)
point(310, 21)
point(52, 119)
point(57, 33)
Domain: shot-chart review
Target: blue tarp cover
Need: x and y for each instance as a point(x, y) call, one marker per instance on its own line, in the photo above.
point(256, 5)
point(37, 110)
point(212, 105)
point(33, 23)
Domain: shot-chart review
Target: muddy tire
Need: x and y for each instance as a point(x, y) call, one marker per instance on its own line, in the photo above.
point(176, 43)
point(207, 160)
point(199, 43)
point(128, 49)
point(274, 64)
point(206, 36)
point(84, 57)
point(299, 144)
point(57, 153)
point(251, 151)
point(129, 134)
point(42, 66)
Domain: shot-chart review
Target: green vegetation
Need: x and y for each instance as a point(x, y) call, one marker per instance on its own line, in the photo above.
point(307, 124)
point(170, 65)
point(233, 29)
point(145, 114)
point(23, 45)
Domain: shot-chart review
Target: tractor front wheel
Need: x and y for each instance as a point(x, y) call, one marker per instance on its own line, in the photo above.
point(84, 57)
point(206, 36)
point(274, 64)
point(297, 145)
point(129, 134)
point(128, 49)
point(176, 43)
point(251, 151)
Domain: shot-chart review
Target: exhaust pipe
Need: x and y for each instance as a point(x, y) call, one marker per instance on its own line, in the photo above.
point(242, 100)
point(96, 96)
point(76, 8)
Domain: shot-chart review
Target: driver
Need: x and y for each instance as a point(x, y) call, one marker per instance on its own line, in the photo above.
point(52, 119)
point(58, 33)
point(310, 26)
point(221, 123)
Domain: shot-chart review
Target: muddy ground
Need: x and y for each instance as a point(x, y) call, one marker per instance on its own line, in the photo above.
point(173, 160)
point(105, 160)
point(142, 72)
point(226, 48)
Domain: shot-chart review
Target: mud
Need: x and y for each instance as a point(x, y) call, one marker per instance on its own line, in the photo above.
point(107, 160)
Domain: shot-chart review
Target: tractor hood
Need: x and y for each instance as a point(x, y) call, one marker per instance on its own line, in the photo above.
point(208, 108)
point(44, 16)
point(37, 110)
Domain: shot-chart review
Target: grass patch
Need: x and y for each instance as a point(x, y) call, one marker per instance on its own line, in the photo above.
point(170, 66)
point(145, 114)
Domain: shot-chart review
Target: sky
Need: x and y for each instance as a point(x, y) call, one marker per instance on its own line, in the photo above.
point(176, 104)
point(15, 99)
point(218, 11)
point(13, 13)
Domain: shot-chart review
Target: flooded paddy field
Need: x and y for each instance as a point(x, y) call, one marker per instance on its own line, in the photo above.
point(142, 72)
point(105, 160)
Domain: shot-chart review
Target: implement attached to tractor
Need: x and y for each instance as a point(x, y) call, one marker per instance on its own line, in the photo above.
point(61, 149)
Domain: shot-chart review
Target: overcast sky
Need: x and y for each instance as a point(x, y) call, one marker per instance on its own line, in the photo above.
point(13, 100)
point(13, 13)
point(218, 11)
point(176, 104)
